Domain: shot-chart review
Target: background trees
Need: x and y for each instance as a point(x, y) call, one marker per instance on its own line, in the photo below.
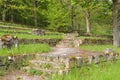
point(87, 16)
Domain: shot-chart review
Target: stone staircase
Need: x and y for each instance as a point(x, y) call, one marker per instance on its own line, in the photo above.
point(57, 61)
point(67, 55)
point(70, 40)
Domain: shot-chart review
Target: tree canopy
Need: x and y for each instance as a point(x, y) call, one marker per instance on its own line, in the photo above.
point(94, 16)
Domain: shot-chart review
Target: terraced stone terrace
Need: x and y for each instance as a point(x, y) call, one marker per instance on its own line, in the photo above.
point(63, 57)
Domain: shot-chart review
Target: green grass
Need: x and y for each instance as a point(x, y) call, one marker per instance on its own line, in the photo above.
point(26, 49)
point(33, 71)
point(13, 25)
point(30, 36)
point(99, 47)
point(13, 30)
point(23, 28)
point(9, 31)
point(102, 71)
point(97, 38)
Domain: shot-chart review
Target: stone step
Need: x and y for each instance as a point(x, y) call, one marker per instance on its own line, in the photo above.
point(48, 71)
point(46, 64)
point(50, 58)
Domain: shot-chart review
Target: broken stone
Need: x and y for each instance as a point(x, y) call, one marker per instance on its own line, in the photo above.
point(76, 43)
point(109, 54)
point(79, 61)
point(117, 56)
point(90, 59)
point(110, 57)
point(39, 32)
point(96, 59)
point(108, 51)
point(67, 65)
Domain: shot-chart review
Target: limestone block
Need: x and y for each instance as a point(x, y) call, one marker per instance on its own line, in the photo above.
point(117, 56)
point(38, 32)
point(79, 61)
point(90, 59)
point(96, 59)
point(67, 64)
point(1, 44)
point(108, 51)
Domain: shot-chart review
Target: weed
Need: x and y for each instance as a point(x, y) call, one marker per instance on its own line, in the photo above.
point(33, 71)
point(46, 65)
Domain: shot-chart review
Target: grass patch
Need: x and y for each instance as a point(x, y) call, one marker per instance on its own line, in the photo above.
point(33, 71)
point(13, 25)
point(96, 38)
point(14, 30)
point(102, 71)
point(26, 49)
point(99, 47)
point(28, 36)
point(2, 72)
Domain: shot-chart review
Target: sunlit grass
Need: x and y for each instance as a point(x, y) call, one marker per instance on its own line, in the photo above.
point(14, 30)
point(102, 71)
point(99, 47)
point(25, 49)
point(96, 38)
point(30, 36)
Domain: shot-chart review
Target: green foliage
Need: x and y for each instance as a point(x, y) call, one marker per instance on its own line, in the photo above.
point(101, 30)
point(2, 72)
point(56, 14)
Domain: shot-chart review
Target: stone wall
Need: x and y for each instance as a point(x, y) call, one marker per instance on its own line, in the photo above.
point(96, 41)
point(16, 61)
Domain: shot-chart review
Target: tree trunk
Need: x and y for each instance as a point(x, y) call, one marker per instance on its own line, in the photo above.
point(116, 41)
point(3, 15)
point(3, 12)
point(35, 13)
point(72, 18)
point(87, 18)
point(12, 17)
